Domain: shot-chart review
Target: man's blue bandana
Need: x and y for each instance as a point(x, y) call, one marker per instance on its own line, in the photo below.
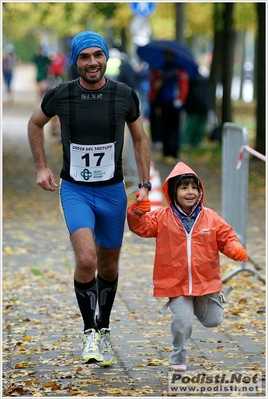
point(87, 39)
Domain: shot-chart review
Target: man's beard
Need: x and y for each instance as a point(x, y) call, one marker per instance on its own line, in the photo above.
point(92, 80)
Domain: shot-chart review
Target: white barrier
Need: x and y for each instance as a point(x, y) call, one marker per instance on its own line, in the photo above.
point(235, 186)
point(156, 194)
point(251, 151)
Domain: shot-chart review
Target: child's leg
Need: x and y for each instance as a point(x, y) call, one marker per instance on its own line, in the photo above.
point(208, 309)
point(181, 327)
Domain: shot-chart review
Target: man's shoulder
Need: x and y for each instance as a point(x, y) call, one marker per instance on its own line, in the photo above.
point(119, 85)
point(65, 88)
point(59, 92)
point(65, 85)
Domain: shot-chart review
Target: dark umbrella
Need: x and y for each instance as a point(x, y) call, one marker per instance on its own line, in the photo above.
point(153, 53)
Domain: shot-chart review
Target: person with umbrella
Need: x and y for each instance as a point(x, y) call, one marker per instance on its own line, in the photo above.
point(169, 88)
point(172, 64)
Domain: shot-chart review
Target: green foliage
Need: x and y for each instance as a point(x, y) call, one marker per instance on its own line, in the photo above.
point(162, 21)
point(64, 19)
point(245, 15)
point(26, 47)
point(18, 19)
point(107, 9)
point(37, 272)
point(199, 19)
point(210, 156)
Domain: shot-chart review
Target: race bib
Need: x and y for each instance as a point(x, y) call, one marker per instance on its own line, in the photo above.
point(90, 163)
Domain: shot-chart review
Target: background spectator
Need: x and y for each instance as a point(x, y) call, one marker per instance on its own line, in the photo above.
point(127, 74)
point(143, 74)
point(197, 105)
point(57, 68)
point(9, 63)
point(169, 90)
point(42, 63)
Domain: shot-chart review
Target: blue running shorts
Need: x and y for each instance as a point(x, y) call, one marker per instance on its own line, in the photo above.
point(99, 208)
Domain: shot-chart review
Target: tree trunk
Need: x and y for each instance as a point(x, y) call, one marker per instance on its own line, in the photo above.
point(261, 81)
point(179, 11)
point(215, 76)
point(124, 40)
point(243, 59)
point(228, 63)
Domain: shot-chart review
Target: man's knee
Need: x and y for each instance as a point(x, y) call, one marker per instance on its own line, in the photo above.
point(84, 249)
point(85, 261)
point(108, 263)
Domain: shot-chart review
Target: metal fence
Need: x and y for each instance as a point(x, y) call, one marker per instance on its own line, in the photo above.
point(235, 188)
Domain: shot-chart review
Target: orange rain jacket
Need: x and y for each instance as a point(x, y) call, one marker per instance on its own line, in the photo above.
point(185, 263)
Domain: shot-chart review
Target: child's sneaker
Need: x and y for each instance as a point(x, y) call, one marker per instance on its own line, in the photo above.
point(179, 367)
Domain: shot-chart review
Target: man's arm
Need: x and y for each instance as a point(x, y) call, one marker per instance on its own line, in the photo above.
point(142, 154)
point(45, 177)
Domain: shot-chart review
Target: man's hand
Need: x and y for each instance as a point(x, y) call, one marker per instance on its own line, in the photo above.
point(46, 180)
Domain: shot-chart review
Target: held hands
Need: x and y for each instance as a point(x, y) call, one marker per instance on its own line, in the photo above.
point(142, 207)
point(239, 254)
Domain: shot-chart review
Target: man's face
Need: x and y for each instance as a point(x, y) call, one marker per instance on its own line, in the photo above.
point(91, 64)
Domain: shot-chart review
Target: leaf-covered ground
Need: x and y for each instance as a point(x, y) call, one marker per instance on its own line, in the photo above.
point(42, 327)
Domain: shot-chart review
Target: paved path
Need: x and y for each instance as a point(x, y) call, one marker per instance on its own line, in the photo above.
point(42, 329)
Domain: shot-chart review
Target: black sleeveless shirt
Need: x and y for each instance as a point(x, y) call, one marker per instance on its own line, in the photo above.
point(92, 117)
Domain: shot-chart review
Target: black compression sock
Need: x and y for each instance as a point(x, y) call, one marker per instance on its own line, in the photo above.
point(106, 295)
point(86, 294)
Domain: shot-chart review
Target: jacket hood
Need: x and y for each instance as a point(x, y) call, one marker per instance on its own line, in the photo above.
point(173, 178)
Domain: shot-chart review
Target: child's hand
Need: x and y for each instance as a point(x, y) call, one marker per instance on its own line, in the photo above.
point(142, 207)
point(239, 254)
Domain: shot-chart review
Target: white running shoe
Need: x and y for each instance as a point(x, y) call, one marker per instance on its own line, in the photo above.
point(91, 349)
point(106, 349)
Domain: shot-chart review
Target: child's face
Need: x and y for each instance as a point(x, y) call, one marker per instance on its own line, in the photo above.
point(187, 196)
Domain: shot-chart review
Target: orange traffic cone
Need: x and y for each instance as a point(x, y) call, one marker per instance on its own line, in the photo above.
point(155, 195)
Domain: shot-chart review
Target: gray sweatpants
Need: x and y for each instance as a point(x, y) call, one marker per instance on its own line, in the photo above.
point(209, 311)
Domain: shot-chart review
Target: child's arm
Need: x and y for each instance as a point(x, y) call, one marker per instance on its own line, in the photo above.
point(228, 242)
point(140, 223)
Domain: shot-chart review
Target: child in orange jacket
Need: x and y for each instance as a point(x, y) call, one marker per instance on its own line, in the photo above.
point(189, 237)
